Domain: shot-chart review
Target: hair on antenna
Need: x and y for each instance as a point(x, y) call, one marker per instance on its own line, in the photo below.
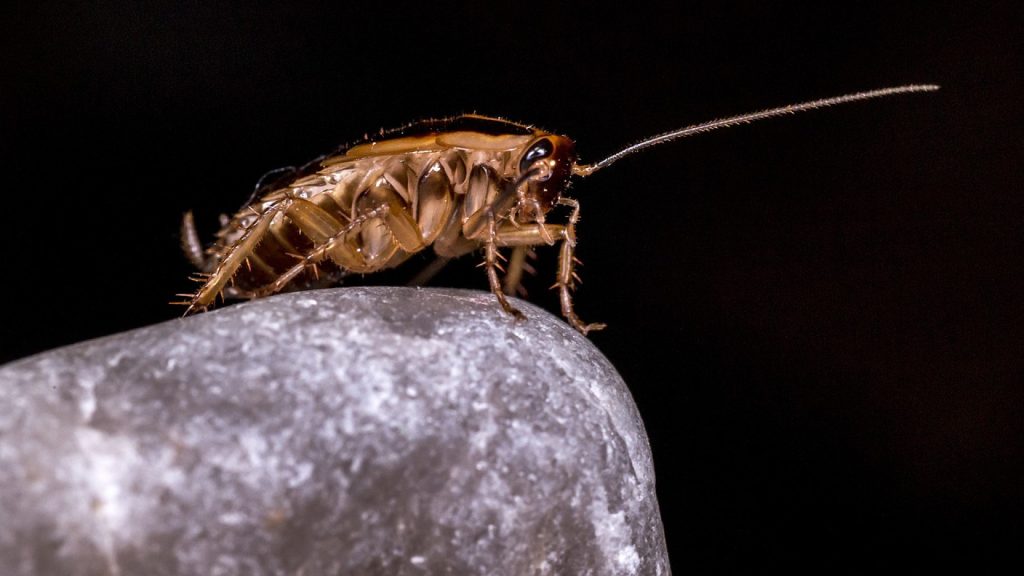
point(588, 169)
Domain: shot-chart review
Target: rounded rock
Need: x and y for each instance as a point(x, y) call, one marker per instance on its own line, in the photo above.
point(344, 431)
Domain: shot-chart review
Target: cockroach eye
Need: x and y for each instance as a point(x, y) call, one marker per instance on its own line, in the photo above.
point(541, 149)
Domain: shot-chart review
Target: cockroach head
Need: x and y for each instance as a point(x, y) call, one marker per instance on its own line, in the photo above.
point(544, 170)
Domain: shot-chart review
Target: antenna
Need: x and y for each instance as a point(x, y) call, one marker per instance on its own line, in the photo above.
point(588, 169)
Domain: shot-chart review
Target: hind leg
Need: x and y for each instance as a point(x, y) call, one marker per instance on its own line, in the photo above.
point(215, 282)
point(315, 222)
point(491, 257)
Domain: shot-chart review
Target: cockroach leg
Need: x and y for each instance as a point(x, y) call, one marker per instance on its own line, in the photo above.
point(491, 263)
point(254, 261)
point(512, 283)
point(529, 254)
point(310, 218)
point(317, 224)
point(326, 245)
point(527, 234)
point(240, 250)
point(282, 280)
point(532, 235)
point(566, 263)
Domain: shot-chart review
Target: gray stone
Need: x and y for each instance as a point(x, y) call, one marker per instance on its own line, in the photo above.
point(334, 432)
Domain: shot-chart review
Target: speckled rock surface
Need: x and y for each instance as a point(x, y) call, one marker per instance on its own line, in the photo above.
point(335, 432)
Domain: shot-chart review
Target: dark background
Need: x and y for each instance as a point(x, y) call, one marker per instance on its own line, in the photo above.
point(820, 316)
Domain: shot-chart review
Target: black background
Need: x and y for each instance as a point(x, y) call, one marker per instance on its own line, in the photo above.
point(820, 316)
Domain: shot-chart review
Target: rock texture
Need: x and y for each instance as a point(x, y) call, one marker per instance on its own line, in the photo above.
point(335, 432)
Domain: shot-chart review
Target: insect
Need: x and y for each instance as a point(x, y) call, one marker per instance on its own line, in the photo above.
point(459, 185)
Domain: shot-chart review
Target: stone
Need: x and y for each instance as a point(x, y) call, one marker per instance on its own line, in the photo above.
point(332, 432)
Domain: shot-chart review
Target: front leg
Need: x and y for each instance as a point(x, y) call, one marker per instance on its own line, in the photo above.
point(535, 234)
point(566, 263)
point(491, 262)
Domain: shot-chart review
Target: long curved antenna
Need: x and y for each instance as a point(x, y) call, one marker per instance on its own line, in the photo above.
point(588, 169)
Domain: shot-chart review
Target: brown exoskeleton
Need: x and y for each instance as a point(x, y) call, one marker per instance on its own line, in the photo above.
point(458, 185)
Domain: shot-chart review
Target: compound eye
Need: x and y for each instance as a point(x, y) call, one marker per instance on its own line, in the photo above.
point(540, 149)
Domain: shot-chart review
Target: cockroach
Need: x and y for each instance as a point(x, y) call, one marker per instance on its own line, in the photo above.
point(457, 184)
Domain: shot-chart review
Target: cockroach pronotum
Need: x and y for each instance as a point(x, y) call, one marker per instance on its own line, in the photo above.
point(458, 184)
